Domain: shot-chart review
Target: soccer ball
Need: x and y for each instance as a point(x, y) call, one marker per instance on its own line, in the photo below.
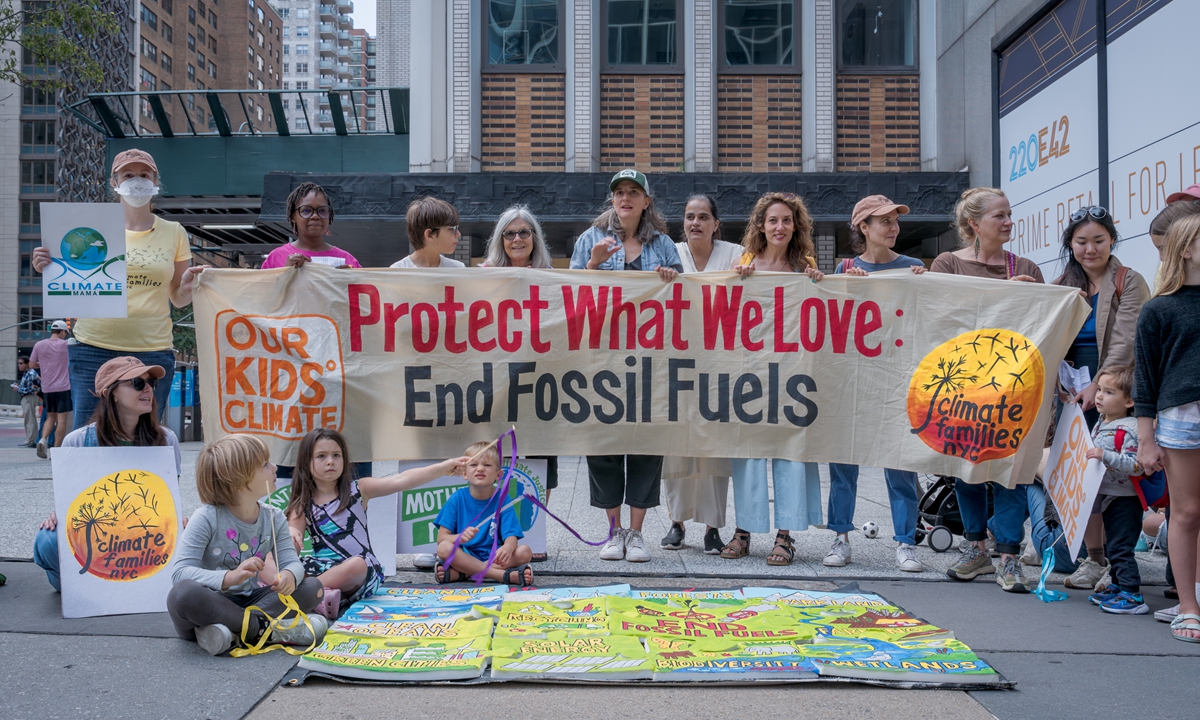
point(870, 529)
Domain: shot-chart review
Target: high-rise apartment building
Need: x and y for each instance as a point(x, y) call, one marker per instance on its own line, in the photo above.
point(316, 56)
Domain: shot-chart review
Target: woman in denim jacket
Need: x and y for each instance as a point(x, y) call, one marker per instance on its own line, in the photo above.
point(632, 235)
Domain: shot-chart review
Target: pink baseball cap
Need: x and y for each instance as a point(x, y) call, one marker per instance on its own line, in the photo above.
point(133, 156)
point(875, 205)
point(1191, 193)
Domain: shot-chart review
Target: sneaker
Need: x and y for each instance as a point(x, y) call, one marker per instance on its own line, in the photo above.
point(1086, 577)
point(713, 542)
point(1030, 557)
point(614, 549)
point(299, 633)
point(906, 558)
point(971, 563)
point(635, 547)
point(839, 554)
point(1105, 579)
point(41, 449)
point(1142, 546)
point(990, 544)
point(1011, 577)
point(425, 561)
point(1167, 615)
point(1103, 595)
point(215, 639)
point(1126, 603)
point(674, 538)
point(330, 604)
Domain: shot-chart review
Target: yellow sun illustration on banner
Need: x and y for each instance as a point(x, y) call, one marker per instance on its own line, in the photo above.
point(123, 527)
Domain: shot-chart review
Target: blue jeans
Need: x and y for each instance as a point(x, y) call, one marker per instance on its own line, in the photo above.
point(797, 495)
point(84, 360)
point(1008, 521)
point(1122, 526)
point(902, 495)
point(1043, 535)
point(45, 555)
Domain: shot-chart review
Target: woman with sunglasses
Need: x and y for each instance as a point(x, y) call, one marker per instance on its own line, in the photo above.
point(126, 414)
point(1116, 294)
point(311, 215)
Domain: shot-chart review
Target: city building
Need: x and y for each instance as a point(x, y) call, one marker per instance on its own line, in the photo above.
point(316, 56)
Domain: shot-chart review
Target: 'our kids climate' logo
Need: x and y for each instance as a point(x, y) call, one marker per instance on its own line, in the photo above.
point(976, 396)
point(123, 527)
point(84, 268)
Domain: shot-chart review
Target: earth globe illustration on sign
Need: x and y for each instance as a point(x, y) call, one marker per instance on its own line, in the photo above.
point(83, 248)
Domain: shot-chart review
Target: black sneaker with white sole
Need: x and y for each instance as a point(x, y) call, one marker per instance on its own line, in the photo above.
point(674, 538)
point(713, 542)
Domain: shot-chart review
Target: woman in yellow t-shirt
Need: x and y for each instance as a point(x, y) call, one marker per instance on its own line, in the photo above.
point(159, 274)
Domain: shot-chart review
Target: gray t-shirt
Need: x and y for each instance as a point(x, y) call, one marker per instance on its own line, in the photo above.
point(215, 542)
point(903, 261)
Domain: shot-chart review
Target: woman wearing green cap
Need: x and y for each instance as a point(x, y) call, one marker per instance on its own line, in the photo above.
point(632, 235)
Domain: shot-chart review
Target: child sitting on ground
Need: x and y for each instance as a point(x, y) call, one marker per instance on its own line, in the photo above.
point(1115, 438)
point(219, 565)
point(332, 505)
point(479, 500)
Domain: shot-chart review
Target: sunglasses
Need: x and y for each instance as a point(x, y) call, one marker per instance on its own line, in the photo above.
point(139, 384)
point(523, 233)
point(307, 211)
point(1095, 212)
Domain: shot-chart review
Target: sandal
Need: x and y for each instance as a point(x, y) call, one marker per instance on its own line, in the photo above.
point(520, 571)
point(784, 551)
point(738, 546)
point(539, 557)
point(445, 575)
point(1185, 622)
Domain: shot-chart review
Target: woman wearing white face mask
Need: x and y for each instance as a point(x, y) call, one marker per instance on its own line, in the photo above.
point(158, 266)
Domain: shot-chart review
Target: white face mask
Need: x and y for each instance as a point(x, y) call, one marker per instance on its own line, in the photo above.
point(137, 191)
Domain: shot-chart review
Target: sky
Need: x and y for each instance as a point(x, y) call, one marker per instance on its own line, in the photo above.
point(364, 15)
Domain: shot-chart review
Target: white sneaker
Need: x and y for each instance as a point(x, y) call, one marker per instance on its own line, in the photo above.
point(1086, 577)
point(635, 547)
point(1030, 557)
point(425, 561)
point(906, 558)
point(214, 639)
point(839, 554)
point(1167, 615)
point(1105, 579)
point(614, 549)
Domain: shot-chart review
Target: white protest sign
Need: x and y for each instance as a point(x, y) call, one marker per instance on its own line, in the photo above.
point(1072, 481)
point(86, 275)
point(381, 524)
point(420, 506)
point(118, 528)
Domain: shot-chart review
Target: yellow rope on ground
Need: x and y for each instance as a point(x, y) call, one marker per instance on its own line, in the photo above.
point(274, 623)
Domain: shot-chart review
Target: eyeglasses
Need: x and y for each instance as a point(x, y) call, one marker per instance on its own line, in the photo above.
point(139, 384)
point(452, 228)
point(1095, 212)
point(523, 233)
point(307, 211)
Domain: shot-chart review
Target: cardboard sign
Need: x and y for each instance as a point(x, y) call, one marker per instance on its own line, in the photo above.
point(118, 528)
point(1072, 481)
point(86, 275)
point(419, 507)
point(381, 524)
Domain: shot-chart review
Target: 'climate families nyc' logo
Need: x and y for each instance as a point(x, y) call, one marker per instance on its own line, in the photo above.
point(84, 268)
point(976, 396)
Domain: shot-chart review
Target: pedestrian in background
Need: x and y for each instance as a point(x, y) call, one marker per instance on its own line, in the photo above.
point(28, 386)
point(49, 358)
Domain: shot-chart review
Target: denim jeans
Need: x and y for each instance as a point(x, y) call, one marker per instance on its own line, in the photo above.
point(902, 495)
point(84, 360)
point(1122, 526)
point(1008, 520)
point(1044, 535)
point(45, 555)
point(797, 495)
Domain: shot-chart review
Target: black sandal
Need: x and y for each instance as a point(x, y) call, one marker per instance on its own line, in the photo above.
point(520, 571)
point(784, 551)
point(449, 575)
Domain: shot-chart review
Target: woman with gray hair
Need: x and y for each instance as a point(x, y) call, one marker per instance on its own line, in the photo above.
point(517, 241)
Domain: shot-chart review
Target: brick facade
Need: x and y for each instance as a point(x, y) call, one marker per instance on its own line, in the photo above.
point(523, 126)
point(878, 123)
point(641, 122)
point(758, 123)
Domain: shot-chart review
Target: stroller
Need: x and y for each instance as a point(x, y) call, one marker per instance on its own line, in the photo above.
point(938, 518)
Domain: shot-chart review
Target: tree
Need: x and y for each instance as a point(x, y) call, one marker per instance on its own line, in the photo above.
point(53, 34)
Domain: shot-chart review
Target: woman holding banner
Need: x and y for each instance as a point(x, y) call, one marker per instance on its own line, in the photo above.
point(778, 238)
point(1116, 294)
point(126, 413)
point(159, 273)
point(698, 488)
point(983, 219)
point(632, 235)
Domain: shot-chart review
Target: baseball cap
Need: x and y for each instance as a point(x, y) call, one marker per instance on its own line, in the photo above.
point(629, 174)
point(123, 368)
point(133, 156)
point(1191, 193)
point(59, 325)
point(873, 205)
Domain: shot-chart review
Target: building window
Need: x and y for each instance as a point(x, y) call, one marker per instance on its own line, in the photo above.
point(37, 176)
point(200, 8)
point(200, 84)
point(191, 72)
point(212, 42)
point(287, 49)
point(149, 82)
point(212, 19)
point(149, 18)
point(168, 6)
point(191, 42)
point(37, 137)
point(212, 69)
point(302, 67)
point(261, 39)
point(259, 61)
point(261, 17)
point(286, 67)
point(30, 312)
point(301, 13)
point(149, 50)
point(31, 222)
point(37, 101)
point(878, 34)
point(758, 33)
point(167, 33)
point(285, 13)
point(642, 33)
point(287, 31)
point(200, 34)
point(302, 31)
point(523, 32)
point(192, 15)
point(302, 48)
point(166, 62)
point(301, 84)
point(200, 59)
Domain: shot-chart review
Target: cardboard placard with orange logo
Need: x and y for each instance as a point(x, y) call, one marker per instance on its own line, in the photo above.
point(118, 528)
point(932, 373)
point(1072, 481)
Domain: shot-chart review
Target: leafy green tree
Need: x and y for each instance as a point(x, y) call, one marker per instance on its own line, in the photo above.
point(54, 34)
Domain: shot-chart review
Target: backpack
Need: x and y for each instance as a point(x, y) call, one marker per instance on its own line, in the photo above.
point(1151, 489)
